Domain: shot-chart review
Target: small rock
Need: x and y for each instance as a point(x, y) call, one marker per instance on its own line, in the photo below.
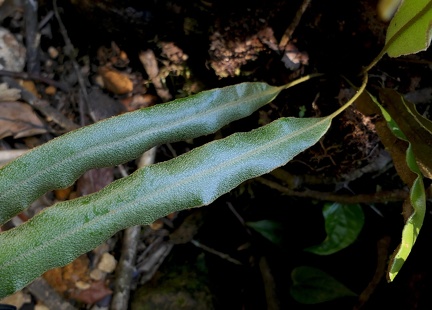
point(107, 263)
point(97, 274)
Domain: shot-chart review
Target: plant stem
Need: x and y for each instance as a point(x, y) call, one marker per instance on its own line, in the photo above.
point(301, 80)
point(353, 99)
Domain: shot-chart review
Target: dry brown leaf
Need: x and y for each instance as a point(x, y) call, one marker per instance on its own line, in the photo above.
point(9, 94)
point(12, 52)
point(18, 119)
point(102, 106)
point(94, 180)
point(97, 291)
point(188, 229)
point(139, 101)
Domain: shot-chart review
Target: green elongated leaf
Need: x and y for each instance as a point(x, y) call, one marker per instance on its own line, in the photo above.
point(417, 200)
point(409, 31)
point(313, 286)
point(64, 231)
point(414, 223)
point(416, 129)
point(343, 223)
point(58, 163)
point(270, 230)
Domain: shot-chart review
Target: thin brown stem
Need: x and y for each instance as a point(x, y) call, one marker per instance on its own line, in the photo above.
point(290, 30)
point(380, 197)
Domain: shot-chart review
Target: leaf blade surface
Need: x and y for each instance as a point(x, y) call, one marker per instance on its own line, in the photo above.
point(59, 162)
point(58, 234)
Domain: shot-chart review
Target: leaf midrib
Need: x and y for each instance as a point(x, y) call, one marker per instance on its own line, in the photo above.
point(114, 144)
point(160, 190)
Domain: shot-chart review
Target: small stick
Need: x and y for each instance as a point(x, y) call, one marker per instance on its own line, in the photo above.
point(148, 60)
point(290, 30)
point(380, 197)
point(273, 302)
point(35, 77)
point(383, 245)
point(215, 252)
point(31, 35)
point(125, 267)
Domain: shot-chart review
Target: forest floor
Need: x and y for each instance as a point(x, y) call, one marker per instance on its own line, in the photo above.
point(96, 59)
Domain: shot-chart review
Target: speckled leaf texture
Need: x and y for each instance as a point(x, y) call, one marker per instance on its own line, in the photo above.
point(58, 163)
point(68, 229)
point(410, 30)
point(417, 197)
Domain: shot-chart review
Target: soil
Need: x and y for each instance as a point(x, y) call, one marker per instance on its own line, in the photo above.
point(203, 44)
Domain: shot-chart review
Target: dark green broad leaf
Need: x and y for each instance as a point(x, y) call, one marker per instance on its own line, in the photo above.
point(313, 286)
point(58, 163)
point(343, 223)
point(270, 230)
point(57, 235)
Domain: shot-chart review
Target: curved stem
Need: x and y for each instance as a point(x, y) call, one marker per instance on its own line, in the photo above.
point(354, 98)
point(301, 80)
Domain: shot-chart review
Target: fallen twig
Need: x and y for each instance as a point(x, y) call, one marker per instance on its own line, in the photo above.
point(159, 249)
point(291, 28)
point(148, 60)
point(273, 302)
point(35, 77)
point(380, 197)
point(126, 264)
point(70, 52)
point(31, 35)
point(125, 269)
point(215, 252)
